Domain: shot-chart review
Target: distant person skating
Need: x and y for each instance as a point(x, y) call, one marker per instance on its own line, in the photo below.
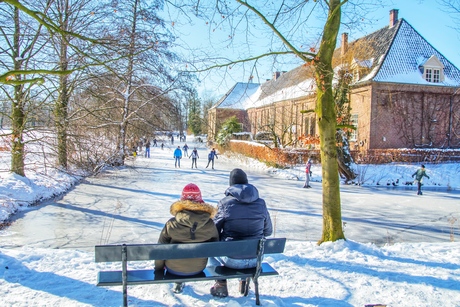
point(194, 156)
point(154, 143)
point(177, 156)
point(162, 145)
point(172, 139)
point(419, 174)
point(147, 149)
point(185, 149)
point(307, 174)
point(212, 154)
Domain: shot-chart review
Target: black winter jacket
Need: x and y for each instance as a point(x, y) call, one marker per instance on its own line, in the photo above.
point(242, 215)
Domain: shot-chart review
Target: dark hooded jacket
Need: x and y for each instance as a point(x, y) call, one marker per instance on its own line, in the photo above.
point(242, 215)
point(192, 222)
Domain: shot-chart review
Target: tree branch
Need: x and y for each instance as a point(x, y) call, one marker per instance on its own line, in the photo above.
point(277, 33)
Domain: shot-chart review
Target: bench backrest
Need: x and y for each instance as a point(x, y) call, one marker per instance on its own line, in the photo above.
point(140, 252)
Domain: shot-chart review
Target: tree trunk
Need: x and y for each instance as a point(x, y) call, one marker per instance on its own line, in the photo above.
point(18, 115)
point(344, 158)
point(327, 122)
point(62, 103)
point(18, 118)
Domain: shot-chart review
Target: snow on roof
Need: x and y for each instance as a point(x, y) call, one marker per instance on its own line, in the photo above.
point(239, 96)
point(408, 50)
point(390, 54)
point(302, 89)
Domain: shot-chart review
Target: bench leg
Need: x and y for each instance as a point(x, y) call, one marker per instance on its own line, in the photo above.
point(245, 290)
point(124, 274)
point(256, 290)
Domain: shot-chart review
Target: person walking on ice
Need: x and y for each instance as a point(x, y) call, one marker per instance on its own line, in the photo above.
point(212, 154)
point(307, 174)
point(185, 149)
point(177, 156)
point(147, 149)
point(419, 174)
point(194, 156)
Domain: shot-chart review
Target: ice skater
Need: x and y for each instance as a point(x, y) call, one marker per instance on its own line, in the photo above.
point(419, 174)
point(212, 154)
point(194, 156)
point(177, 156)
point(307, 174)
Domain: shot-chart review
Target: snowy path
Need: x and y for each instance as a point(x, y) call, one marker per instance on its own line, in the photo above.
point(132, 205)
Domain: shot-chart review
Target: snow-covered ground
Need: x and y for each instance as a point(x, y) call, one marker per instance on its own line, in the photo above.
point(47, 256)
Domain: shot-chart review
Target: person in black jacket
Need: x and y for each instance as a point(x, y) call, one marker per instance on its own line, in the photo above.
point(241, 215)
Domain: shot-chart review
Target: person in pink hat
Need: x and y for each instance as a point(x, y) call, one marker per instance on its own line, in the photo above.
point(191, 222)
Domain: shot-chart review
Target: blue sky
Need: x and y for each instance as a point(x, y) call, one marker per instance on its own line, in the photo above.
point(426, 16)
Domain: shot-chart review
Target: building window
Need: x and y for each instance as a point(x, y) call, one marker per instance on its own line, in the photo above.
point(428, 74)
point(432, 70)
point(436, 75)
point(433, 75)
point(354, 132)
point(310, 126)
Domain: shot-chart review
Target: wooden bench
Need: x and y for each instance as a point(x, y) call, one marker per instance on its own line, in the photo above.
point(145, 252)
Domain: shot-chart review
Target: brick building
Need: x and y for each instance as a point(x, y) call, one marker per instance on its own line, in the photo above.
point(404, 94)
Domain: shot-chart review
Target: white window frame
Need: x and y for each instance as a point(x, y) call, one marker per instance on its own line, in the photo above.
point(354, 132)
point(433, 70)
point(428, 73)
point(436, 75)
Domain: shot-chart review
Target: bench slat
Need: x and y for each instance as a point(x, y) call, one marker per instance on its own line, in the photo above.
point(138, 277)
point(136, 252)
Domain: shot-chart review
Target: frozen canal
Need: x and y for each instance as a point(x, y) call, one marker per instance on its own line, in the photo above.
point(131, 205)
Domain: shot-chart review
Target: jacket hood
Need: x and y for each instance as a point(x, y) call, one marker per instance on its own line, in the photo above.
point(188, 212)
point(245, 193)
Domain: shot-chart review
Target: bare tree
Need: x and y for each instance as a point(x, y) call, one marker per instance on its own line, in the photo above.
point(144, 41)
point(452, 7)
point(43, 21)
point(285, 20)
point(20, 42)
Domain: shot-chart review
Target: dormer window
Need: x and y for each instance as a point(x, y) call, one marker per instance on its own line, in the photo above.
point(360, 68)
point(433, 70)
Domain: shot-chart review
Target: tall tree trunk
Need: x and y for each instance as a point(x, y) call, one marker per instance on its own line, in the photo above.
point(129, 88)
point(327, 122)
point(62, 103)
point(18, 115)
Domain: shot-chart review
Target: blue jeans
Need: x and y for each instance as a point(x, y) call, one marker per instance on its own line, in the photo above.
point(182, 274)
point(234, 263)
point(147, 152)
point(177, 162)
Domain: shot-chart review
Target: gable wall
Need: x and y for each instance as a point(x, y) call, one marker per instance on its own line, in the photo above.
point(411, 116)
point(216, 117)
point(285, 119)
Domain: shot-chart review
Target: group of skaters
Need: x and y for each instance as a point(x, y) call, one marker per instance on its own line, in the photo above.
point(179, 153)
point(419, 174)
point(212, 155)
point(240, 215)
point(146, 144)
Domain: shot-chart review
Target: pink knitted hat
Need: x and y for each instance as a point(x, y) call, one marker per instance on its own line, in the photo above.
point(192, 192)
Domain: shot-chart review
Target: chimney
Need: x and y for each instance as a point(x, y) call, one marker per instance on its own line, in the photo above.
point(276, 75)
point(393, 17)
point(344, 46)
